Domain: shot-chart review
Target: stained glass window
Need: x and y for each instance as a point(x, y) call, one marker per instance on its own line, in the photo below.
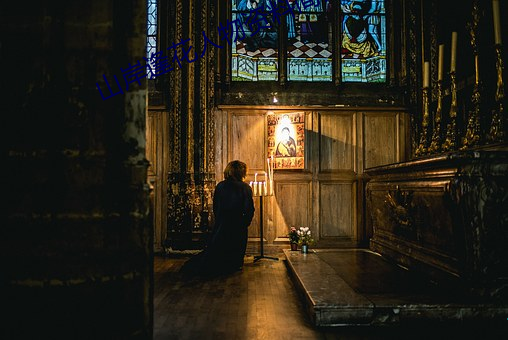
point(151, 32)
point(254, 44)
point(310, 25)
point(309, 52)
point(363, 41)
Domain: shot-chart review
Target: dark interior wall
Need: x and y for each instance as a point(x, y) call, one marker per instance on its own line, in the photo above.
point(75, 240)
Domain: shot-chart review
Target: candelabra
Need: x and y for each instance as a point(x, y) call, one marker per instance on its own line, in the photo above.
point(496, 133)
point(435, 145)
point(450, 142)
point(422, 147)
point(472, 136)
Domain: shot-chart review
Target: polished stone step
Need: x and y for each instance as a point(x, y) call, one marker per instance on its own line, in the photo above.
point(346, 287)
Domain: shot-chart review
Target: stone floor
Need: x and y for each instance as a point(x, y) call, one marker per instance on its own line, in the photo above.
point(358, 287)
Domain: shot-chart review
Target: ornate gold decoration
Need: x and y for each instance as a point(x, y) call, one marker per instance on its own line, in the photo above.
point(472, 136)
point(401, 206)
point(422, 147)
point(450, 142)
point(496, 133)
point(435, 145)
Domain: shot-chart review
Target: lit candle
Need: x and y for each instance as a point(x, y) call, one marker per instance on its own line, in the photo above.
point(271, 176)
point(426, 74)
point(440, 62)
point(255, 177)
point(268, 167)
point(453, 61)
point(497, 22)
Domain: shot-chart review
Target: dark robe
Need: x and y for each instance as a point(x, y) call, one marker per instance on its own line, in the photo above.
point(233, 208)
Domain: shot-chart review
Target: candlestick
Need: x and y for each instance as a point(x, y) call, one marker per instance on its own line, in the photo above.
point(435, 145)
point(472, 134)
point(255, 187)
point(265, 189)
point(422, 147)
point(451, 131)
point(497, 22)
point(453, 60)
point(497, 125)
point(426, 74)
point(440, 62)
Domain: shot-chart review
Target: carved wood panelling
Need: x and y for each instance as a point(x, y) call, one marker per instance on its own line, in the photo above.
point(247, 140)
point(337, 142)
point(292, 207)
point(151, 142)
point(325, 195)
point(380, 139)
point(254, 226)
point(156, 141)
point(337, 210)
point(415, 213)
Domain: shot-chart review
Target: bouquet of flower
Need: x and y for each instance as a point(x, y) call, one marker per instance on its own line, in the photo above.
point(304, 236)
point(293, 235)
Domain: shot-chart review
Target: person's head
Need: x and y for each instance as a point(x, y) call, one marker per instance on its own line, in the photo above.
point(235, 170)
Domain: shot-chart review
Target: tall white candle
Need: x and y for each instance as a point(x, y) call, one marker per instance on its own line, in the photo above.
point(440, 62)
point(453, 54)
point(269, 171)
point(271, 175)
point(497, 22)
point(426, 74)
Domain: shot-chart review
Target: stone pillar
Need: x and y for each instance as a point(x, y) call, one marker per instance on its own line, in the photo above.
point(75, 241)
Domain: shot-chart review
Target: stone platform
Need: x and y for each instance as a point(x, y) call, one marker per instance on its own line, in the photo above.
point(350, 287)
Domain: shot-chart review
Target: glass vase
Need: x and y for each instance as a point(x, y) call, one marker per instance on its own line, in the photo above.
point(305, 248)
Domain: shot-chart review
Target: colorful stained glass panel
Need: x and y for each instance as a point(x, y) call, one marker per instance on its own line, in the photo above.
point(254, 41)
point(151, 29)
point(363, 41)
point(309, 51)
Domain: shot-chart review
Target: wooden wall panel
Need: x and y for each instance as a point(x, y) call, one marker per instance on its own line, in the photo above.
point(247, 140)
point(336, 210)
point(156, 139)
point(151, 141)
point(254, 225)
point(336, 142)
point(380, 139)
point(293, 207)
point(327, 195)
